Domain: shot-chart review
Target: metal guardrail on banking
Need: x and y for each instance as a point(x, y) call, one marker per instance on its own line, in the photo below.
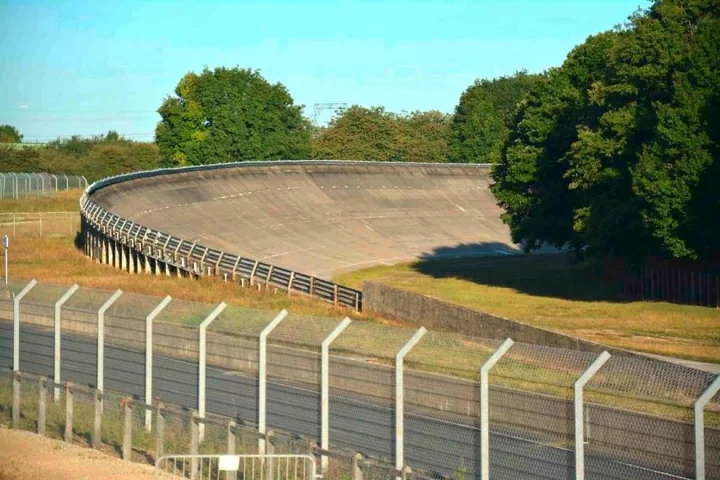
point(160, 250)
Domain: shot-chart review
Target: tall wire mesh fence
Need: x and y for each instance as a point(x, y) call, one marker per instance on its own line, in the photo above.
point(24, 185)
point(637, 412)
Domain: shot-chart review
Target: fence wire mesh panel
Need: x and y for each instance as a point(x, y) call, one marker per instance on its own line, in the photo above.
point(24, 185)
point(236, 467)
point(637, 413)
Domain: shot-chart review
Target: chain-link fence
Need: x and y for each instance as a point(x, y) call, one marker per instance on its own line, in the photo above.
point(184, 377)
point(24, 185)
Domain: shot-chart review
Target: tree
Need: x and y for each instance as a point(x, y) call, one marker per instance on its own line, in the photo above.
point(617, 151)
point(226, 115)
point(9, 134)
point(360, 133)
point(479, 128)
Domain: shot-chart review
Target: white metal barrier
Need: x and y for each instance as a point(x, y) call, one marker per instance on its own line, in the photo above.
point(236, 467)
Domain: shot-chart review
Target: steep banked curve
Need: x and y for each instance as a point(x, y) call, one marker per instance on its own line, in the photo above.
point(319, 217)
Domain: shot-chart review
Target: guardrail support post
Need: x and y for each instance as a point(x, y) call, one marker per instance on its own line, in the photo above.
point(149, 358)
point(325, 391)
point(101, 341)
point(580, 413)
point(16, 324)
point(57, 350)
point(485, 407)
point(699, 411)
point(262, 378)
point(400, 398)
point(202, 364)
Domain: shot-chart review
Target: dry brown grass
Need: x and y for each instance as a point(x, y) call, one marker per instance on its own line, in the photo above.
point(67, 201)
point(549, 292)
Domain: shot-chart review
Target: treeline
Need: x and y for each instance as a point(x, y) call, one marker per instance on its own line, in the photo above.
point(617, 152)
point(93, 158)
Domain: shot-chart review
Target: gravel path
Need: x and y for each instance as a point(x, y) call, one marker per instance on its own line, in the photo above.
point(26, 456)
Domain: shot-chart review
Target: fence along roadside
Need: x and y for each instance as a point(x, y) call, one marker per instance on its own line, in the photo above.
point(440, 398)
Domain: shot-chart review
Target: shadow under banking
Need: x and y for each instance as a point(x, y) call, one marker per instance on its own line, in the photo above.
point(549, 273)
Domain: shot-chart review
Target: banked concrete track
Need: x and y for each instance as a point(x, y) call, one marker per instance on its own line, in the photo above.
point(317, 217)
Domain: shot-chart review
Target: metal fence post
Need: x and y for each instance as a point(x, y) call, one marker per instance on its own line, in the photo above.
point(58, 317)
point(231, 436)
point(68, 412)
point(127, 429)
point(202, 364)
point(101, 340)
point(325, 391)
point(262, 378)
point(149, 359)
point(580, 414)
point(400, 399)
point(16, 324)
point(485, 407)
point(194, 444)
point(699, 411)
point(17, 399)
point(160, 432)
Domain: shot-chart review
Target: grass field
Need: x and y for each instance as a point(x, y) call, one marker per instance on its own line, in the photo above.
point(67, 201)
point(548, 291)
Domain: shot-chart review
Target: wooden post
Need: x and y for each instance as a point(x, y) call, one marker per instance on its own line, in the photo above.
point(160, 432)
point(231, 437)
point(97, 421)
point(335, 290)
point(68, 412)
point(17, 396)
point(312, 286)
point(127, 430)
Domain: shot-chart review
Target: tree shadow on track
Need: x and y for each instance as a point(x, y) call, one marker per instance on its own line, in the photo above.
point(546, 274)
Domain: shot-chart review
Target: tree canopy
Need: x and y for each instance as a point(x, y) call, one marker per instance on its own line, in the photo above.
point(359, 133)
point(230, 114)
point(618, 150)
point(479, 127)
point(9, 134)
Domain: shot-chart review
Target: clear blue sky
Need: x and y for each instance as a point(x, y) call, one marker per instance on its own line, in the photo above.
point(85, 67)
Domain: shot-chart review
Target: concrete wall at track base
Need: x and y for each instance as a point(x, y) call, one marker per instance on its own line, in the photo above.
point(436, 314)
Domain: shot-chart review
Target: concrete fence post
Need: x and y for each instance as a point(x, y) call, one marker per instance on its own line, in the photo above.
point(101, 340)
point(17, 399)
point(96, 439)
point(57, 351)
point(127, 429)
point(42, 405)
point(400, 398)
point(231, 437)
point(357, 462)
point(16, 323)
point(194, 443)
point(68, 412)
point(160, 431)
point(269, 450)
point(262, 378)
point(699, 412)
point(325, 391)
point(485, 407)
point(580, 413)
point(149, 358)
point(202, 364)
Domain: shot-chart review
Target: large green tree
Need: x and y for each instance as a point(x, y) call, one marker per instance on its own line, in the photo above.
point(617, 151)
point(479, 127)
point(9, 134)
point(359, 133)
point(230, 114)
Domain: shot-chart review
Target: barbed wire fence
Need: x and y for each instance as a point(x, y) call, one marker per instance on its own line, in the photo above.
point(149, 376)
point(26, 185)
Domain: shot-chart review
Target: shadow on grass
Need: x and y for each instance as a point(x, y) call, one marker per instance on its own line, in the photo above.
point(546, 274)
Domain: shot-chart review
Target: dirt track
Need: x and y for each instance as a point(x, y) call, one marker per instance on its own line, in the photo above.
point(26, 456)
